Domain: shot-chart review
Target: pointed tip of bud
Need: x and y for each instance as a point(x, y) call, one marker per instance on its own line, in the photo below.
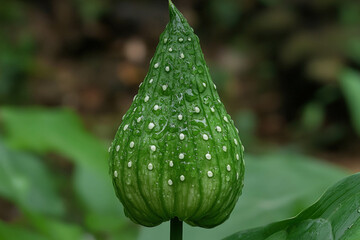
point(176, 17)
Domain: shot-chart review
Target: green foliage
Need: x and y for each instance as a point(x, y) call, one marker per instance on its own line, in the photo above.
point(336, 215)
point(60, 131)
point(10, 231)
point(277, 186)
point(25, 180)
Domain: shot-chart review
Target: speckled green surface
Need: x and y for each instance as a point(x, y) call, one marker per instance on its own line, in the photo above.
point(177, 151)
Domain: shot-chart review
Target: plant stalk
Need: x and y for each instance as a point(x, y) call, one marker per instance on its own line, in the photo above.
point(176, 229)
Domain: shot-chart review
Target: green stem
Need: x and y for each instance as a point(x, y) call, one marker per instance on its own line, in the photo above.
point(176, 229)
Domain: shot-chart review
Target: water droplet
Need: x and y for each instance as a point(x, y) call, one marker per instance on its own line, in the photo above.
point(150, 166)
point(228, 167)
point(210, 174)
point(151, 125)
point(129, 164)
point(170, 182)
point(182, 178)
point(205, 137)
point(156, 65)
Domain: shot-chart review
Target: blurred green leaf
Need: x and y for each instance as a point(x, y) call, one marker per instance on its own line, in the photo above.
point(336, 215)
point(104, 211)
point(10, 231)
point(246, 122)
point(313, 116)
point(277, 186)
point(350, 85)
point(55, 229)
point(62, 132)
point(58, 130)
point(25, 180)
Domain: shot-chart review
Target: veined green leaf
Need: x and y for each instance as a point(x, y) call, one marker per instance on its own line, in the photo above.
point(335, 216)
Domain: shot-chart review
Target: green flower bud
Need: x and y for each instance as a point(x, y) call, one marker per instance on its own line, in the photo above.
point(177, 152)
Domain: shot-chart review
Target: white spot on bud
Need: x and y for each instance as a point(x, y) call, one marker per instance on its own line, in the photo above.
point(170, 49)
point(132, 144)
point(153, 148)
point(235, 141)
point(218, 128)
point(214, 86)
point(109, 149)
point(181, 39)
point(171, 163)
point(150, 166)
point(243, 148)
point(146, 98)
point(139, 119)
point(228, 168)
point(129, 164)
point(170, 182)
point(197, 109)
point(126, 127)
point(181, 156)
point(156, 107)
point(156, 65)
point(167, 68)
point(115, 173)
point(182, 178)
point(189, 39)
point(210, 174)
point(181, 136)
point(151, 80)
point(164, 87)
point(117, 148)
point(205, 137)
point(165, 40)
point(226, 119)
point(180, 117)
point(204, 84)
point(151, 125)
point(224, 148)
point(212, 109)
point(237, 156)
point(208, 156)
point(182, 55)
